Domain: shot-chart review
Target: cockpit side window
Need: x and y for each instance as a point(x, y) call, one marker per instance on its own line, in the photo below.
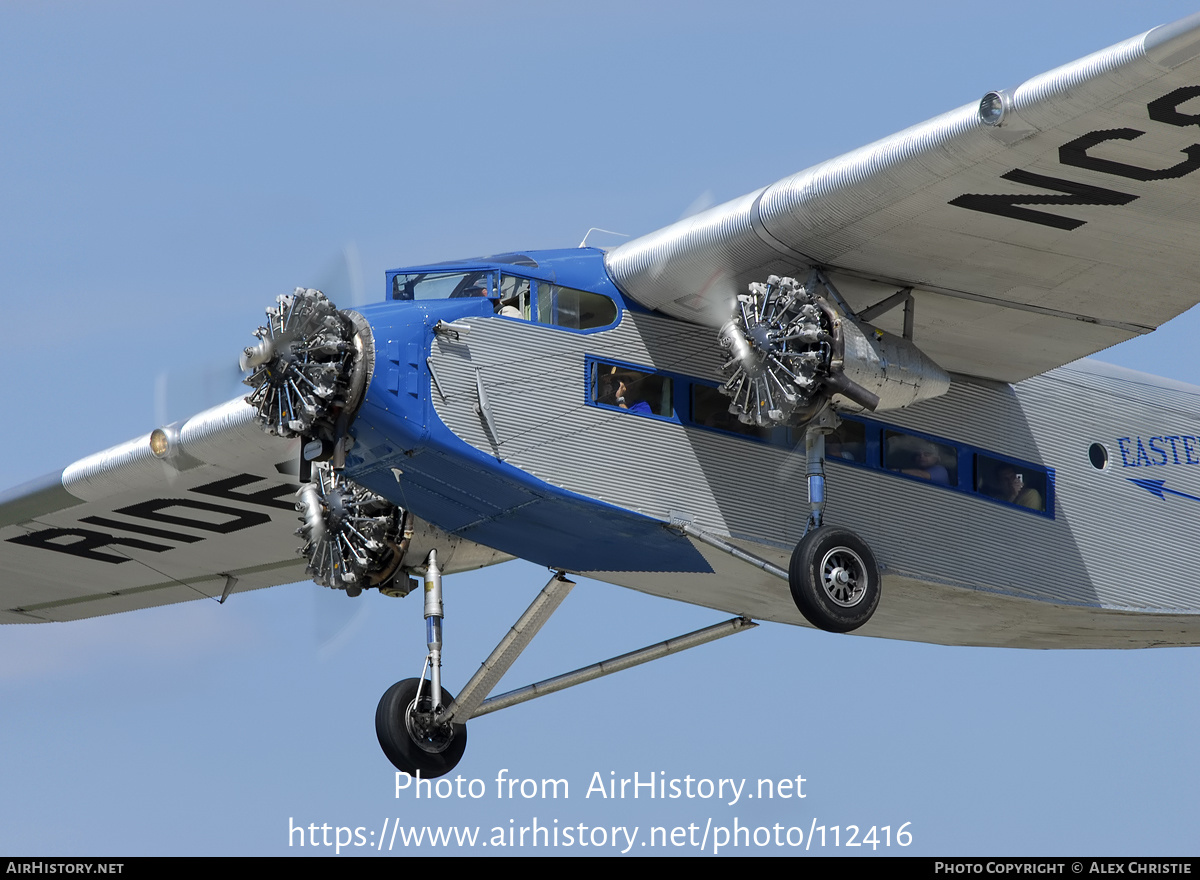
point(516, 300)
point(573, 309)
point(443, 285)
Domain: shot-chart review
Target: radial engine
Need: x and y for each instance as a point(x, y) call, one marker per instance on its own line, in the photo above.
point(790, 352)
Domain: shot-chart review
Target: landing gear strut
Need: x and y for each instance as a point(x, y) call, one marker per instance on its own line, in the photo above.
point(421, 728)
point(410, 721)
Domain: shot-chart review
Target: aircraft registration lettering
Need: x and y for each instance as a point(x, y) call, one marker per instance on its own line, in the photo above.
point(1159, 451)
point(1075, 153)
point(89, 543)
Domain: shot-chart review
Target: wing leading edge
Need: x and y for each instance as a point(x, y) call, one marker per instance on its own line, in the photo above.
point(1070, 226)
point(124, 529)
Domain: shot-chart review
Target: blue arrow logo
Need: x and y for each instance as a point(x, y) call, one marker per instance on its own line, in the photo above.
point(1156, 487)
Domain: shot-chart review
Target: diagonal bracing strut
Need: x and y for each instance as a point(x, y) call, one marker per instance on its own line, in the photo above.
point(472, 700)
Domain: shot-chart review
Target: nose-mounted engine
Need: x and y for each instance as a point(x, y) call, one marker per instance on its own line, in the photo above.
point(309, 372)
point(791, 352)
point(353, 538)
point(309, 369)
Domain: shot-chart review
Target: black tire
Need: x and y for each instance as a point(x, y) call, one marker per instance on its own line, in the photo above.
point(834, 579)
point(432, 756)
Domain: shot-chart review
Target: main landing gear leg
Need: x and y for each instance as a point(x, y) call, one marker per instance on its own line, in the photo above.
point(814, 454)
point(408, 722)
point(423, 730)
point(833, 576)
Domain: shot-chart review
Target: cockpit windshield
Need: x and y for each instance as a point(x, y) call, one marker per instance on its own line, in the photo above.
point(443, 285)
point(512, 296)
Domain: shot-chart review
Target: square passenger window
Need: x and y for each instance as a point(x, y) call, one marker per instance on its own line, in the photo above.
point(632, 390)
point(848, 442)
point(710, 409)
point(1022, 485)
point(920, 458)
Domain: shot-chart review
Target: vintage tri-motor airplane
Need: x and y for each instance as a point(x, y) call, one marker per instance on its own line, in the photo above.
point(849, 400)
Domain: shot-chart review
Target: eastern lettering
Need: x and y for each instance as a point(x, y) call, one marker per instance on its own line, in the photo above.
point(1189, 454)
point(1141, 454)
point(1174, 450)
point(1158, 450)
point(1121, 441)
point(1182, 449)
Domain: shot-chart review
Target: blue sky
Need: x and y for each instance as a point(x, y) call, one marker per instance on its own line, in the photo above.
point(169, 169)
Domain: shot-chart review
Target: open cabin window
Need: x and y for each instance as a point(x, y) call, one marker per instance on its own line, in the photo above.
point(846, 442)
point(636, 391)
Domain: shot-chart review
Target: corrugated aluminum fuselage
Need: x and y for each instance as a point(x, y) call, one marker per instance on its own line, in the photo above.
point(547, 475)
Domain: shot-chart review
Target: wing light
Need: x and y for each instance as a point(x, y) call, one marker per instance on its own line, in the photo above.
point(160, 444)
point(993, 108)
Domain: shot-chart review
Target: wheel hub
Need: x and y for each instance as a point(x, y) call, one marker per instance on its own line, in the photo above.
point(425, 732)
point(842, 576)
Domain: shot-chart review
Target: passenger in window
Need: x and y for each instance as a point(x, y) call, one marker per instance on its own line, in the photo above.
point(1008, 484)
point(508, 309)
point(614, 391)
point(628, 395)
point(847, 442)
point(475, 288)
point(926, 463)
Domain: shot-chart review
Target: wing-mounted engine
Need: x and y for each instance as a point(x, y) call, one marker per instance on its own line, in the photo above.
point(309, 369)
point(353, 538)
point(791, 352)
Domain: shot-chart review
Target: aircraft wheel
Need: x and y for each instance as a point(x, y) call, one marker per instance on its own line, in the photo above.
point(834, 579)
point(408, 736)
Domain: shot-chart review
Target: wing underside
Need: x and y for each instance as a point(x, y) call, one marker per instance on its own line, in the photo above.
point(1070, 226)
point(122, 529)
